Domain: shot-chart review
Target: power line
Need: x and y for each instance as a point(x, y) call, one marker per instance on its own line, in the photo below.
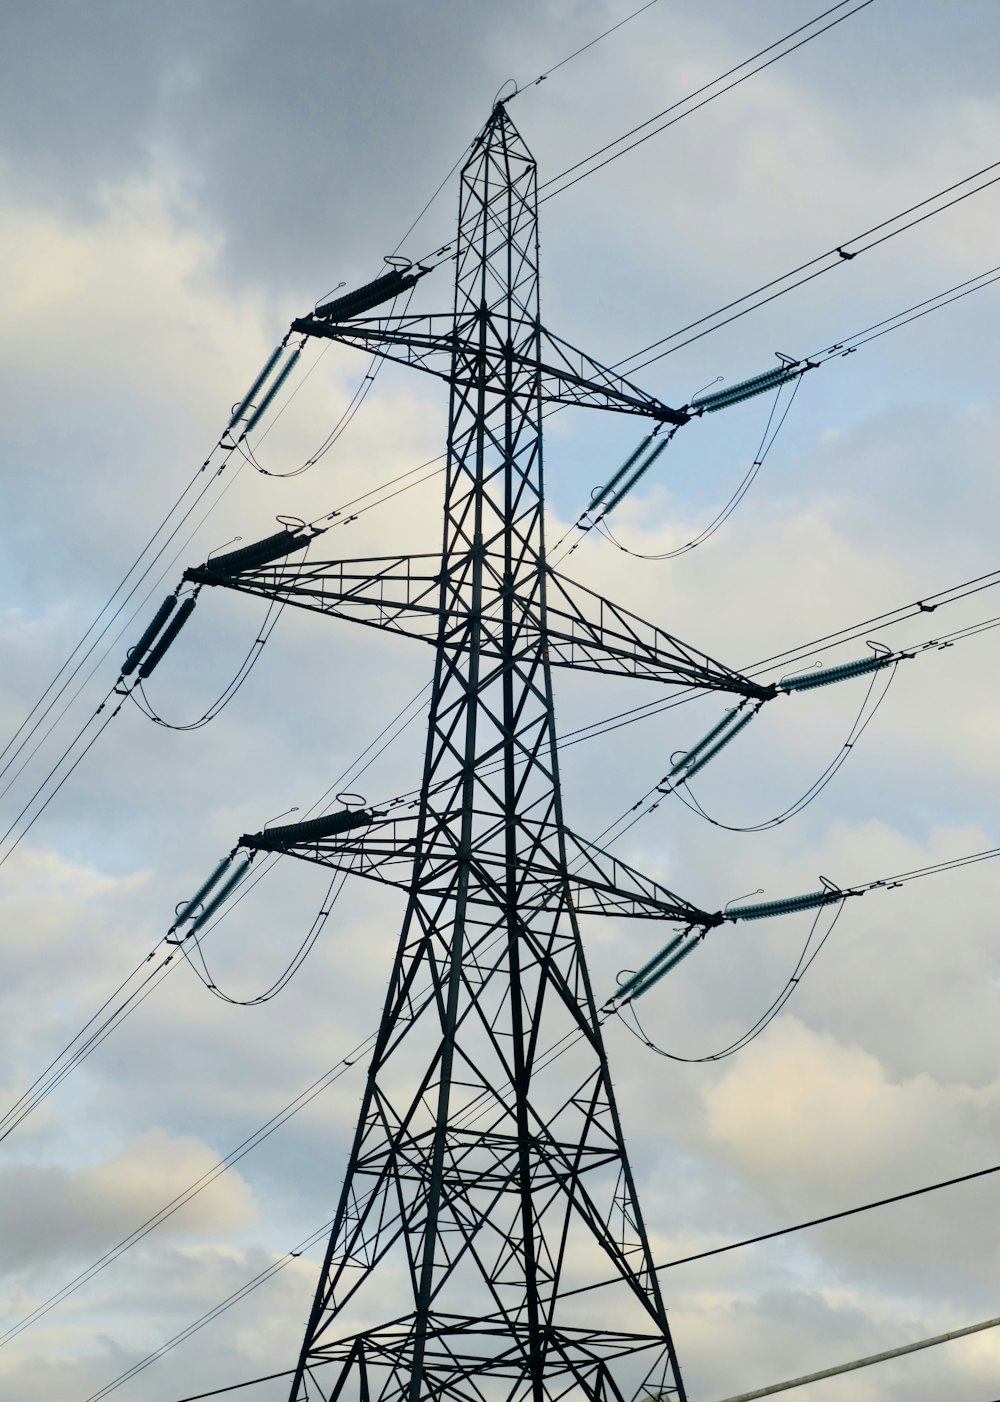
point(885, 882)
point(916, 312)
point(883, 327)
point(867, 1362)
point(770, 1013)
point(832, 258)
point(235, 1387)
point(272, 1269)
point(81, 1046)
point(929, 603)
point(585, 161)
point(198, 1186)
point(446, 248)
point(816, 1222)
point(584, 47)
point(210, 1315)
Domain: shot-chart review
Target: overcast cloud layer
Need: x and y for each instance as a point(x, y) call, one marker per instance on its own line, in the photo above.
point(177, 182)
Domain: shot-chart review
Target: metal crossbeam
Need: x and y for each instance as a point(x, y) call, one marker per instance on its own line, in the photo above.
point(582, 629)
point(431, 343)
point(599, 883)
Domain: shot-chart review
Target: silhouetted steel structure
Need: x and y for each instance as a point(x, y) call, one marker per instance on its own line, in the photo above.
point(488, 1183)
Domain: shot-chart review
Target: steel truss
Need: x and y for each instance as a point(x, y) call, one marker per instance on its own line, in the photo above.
point(488, 1182)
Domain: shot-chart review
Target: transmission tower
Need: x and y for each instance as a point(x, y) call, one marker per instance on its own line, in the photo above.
point(488, 1186)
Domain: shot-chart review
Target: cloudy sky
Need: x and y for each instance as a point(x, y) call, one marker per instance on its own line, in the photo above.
point(176, 183)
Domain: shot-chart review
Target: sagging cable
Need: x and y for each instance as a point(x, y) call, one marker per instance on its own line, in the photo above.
point(767, 442)
point(197, 956)
point(683, 944)
point(810, 952)
point(866, 714)
point(606, 498)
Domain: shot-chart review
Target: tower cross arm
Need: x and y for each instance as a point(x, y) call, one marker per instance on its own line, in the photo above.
point(361, 841)
point(605, 885)
point(434, 342)
point(403, 594)
point(587, 631)
point(399, 593)
point(381, 844)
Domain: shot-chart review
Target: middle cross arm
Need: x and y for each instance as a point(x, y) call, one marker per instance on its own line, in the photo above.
point(432, 342)
point(382, 846)
point(587, 631)
point(402, 594)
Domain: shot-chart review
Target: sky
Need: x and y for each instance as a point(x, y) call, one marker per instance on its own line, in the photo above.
point(176, 183)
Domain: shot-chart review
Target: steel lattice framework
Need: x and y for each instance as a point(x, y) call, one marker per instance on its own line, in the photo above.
point(488, 1182)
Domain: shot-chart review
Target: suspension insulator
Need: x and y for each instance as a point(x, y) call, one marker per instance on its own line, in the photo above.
point(807, 680)
point(745, 389)
point(169, 634)
point(627, 989)
point(372, 294)
point(137, 653)
point(639, 472)
point(223, 893)
point(262, 552)
point(189, 907)
point(695, 750)
point(291, 834)
point(241, 408)
point(671, 963)
point(626, 465)
point(710, 754)
point(788, 906)
point(265, 403)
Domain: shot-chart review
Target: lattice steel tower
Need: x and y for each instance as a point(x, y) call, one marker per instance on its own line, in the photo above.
point(488, 1182)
